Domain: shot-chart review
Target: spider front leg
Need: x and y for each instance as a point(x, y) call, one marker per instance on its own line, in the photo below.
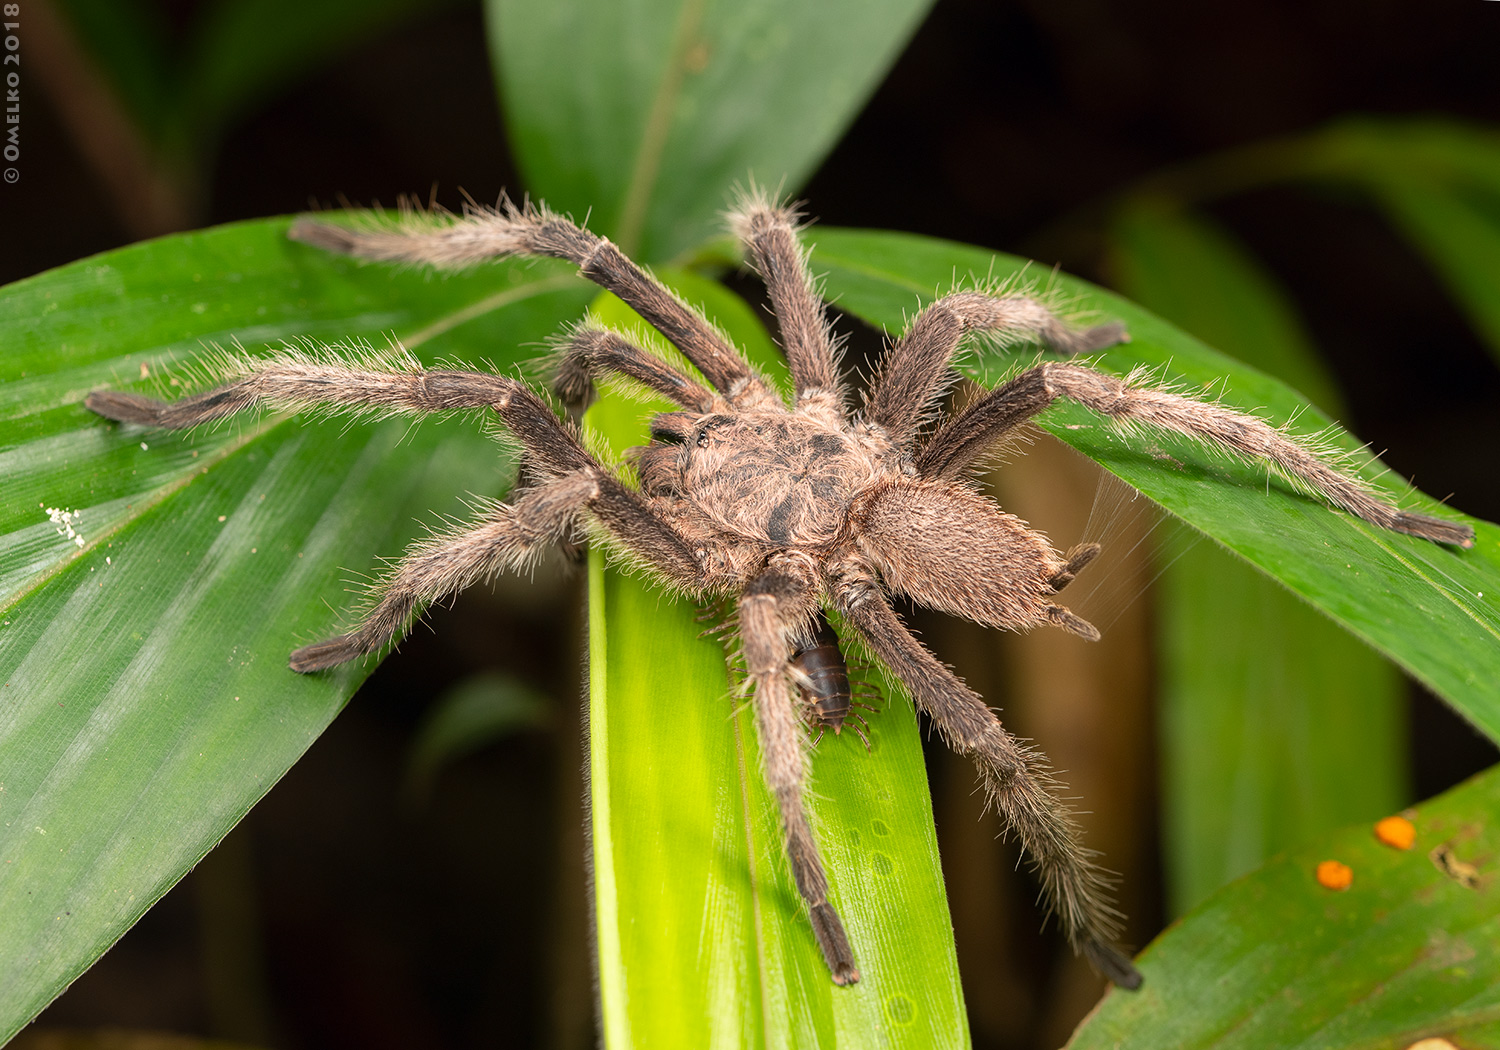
point(769, 234)
point(950, 451)
point(916, 370)
point(775, 608)
point(591, 352)
point(1016, 779)
point(575, 483)
point(481, 234)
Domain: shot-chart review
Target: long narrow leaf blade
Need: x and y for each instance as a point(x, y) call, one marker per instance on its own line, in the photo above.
point(640, 115)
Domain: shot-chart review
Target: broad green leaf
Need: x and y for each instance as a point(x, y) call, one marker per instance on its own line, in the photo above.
point(642, 115)
point(702, 939)
point(1411, 950)
point(147, 702)
point(1434, 610)
point(1284, 727)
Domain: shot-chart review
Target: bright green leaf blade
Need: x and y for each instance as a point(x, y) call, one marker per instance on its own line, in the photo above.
point(1407, 952)
point(703, 940)
point(148, 703)
point(1285, 727)
point(1434, 610)
point(640, 115)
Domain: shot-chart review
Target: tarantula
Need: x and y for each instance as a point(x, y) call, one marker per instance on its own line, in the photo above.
point(786, 510)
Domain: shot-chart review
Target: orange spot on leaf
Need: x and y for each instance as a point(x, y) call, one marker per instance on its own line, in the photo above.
point(1396, 832)
point(1334, 875)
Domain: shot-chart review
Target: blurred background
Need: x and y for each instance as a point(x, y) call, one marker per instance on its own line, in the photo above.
point(370, 900)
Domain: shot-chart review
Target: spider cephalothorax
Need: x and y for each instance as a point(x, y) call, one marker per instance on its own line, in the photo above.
point(787, 511)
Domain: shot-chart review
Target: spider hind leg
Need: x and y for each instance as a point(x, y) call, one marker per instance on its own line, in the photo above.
point(1016, 780)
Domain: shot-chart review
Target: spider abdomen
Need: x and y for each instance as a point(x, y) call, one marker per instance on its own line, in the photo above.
point(950, 548)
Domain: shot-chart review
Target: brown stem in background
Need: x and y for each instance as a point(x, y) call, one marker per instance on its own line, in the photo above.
point(148, 198)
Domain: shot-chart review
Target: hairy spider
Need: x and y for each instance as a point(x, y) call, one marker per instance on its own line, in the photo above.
point(786, 510)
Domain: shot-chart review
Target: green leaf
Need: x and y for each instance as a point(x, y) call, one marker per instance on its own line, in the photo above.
point(145, 701)
point(1409, 951)
point(641, 115)
point(1434, 610)
point(1284, 727)
point(702, 937)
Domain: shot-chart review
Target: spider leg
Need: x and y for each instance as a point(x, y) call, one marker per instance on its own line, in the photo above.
point(1016, 779)
point(954, 447)
point(591, 352)
point(769, 234)
point(916, 369)
point(773, 609)
point(297, 382)
point(509, 537)
point(1077, 558)
point(573, 481)
point(482, 234)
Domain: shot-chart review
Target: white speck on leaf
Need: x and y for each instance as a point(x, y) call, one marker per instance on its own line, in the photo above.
point(65, 518)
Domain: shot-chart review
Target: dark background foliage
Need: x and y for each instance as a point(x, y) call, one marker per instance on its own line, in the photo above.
point(1002, 125)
